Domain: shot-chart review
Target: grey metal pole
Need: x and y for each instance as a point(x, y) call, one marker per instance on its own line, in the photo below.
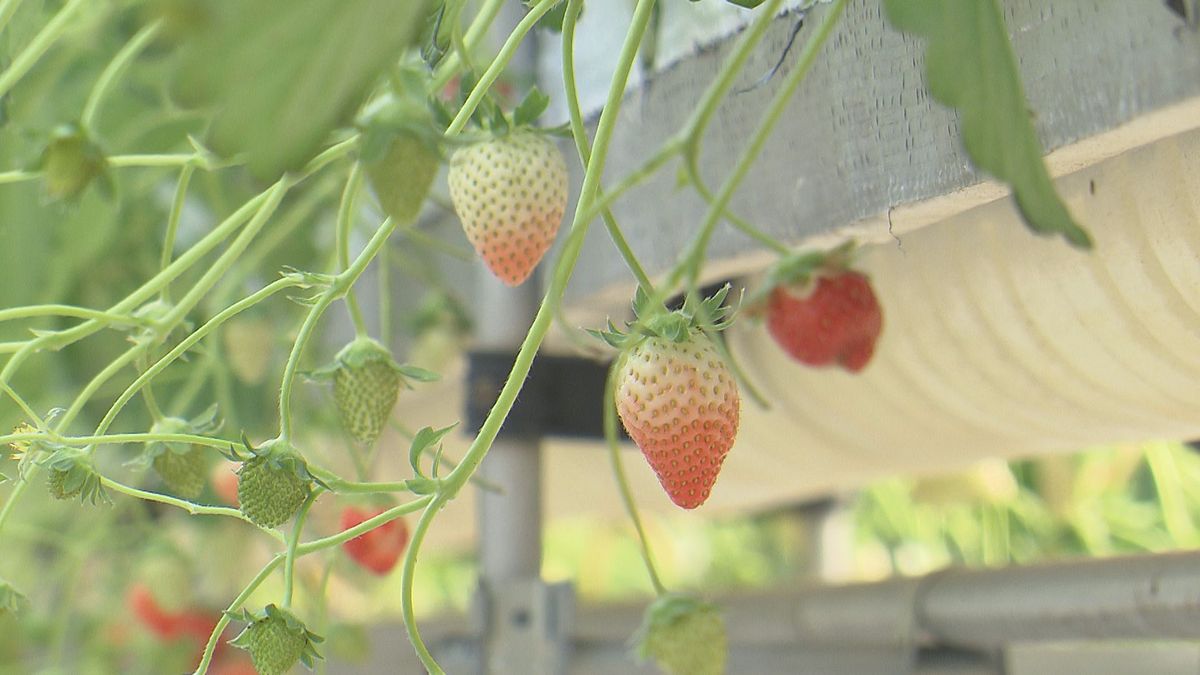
point(510, 544)
point(524, 622)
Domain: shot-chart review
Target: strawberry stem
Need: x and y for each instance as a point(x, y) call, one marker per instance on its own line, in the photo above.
point(346, 216)
point(293, 540)
point(614, 453)
point(578, 132)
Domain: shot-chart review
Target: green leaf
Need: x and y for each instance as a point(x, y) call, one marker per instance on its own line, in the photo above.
point(423, 440)
point(531, 108)
point(282, 74)
point(971, 67)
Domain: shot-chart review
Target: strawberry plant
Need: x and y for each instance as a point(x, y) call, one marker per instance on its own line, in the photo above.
point(184, 199)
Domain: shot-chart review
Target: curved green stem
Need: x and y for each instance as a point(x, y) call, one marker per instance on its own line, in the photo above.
point(191, 507)
point(498, 65)
point(339, 287)
point(38, 311)
point(18, 176)
point(168, 247)
point(23, 405)
point(406, 585)
point(114, 70)
point(215, 636)
point(151, 161)
point(38, 46)
point(293, 540)
point(579, 133)
point(347, 211)
point(614, 454)
point(475, 32)
point(7, 9)
point(692, 260)
point(364, 527)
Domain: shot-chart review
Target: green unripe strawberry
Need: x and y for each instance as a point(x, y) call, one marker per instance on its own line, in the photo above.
point(365, 388)
point(183, 473)
point(366, 383)
point(181, 466)
point(684, 636)
point(70, 162)
point(402, 176)
point(61, 486)
point(276, 640)
point(273, 483)
point(71, 474)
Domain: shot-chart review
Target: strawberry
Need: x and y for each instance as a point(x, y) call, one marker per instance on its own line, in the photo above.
point(379, 549)
point(366, 383)
point(685, 636)
point(510, 193)
point(401, 177)
point(70, 162)
point(276, 640)
point(680, 404)
point(183, 473)
point(72, 475)
point(273, 483)
point(834, 319)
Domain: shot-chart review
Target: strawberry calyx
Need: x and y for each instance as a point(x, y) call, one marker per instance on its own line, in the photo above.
point(652, 320)
point(279, 454)
point(276, 639)
point(363, 351)
point(72, 474)
point(799, 270)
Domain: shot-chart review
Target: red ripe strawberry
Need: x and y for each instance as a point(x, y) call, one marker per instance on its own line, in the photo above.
point(836, 319)
point(510, 193)
point(680, 404)
point(148, 612)
point(379, 549)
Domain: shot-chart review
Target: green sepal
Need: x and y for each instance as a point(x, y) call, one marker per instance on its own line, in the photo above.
point(12, 601)
point(245, 639)
point(424, 439)
point(530, 108)
point(72, 474)
point(281, 454)
point(652, 321)
point(800, 267)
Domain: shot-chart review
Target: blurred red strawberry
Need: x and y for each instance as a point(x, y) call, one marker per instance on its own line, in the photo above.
point(379, 549)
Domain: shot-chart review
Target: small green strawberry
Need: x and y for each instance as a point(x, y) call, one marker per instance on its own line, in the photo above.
point(184, 474)
point(510, 192)
point(684, 636)
point(72, 475)
point(401, 177)
point(366, 383)
point(70, 162)
point(276, 640)
point(273, 483)
point(183, 467)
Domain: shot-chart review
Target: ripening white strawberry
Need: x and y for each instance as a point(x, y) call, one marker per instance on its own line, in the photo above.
point(680, 404)
point(510, 193)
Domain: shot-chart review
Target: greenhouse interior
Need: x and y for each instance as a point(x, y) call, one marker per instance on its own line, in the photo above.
point(598, 337)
